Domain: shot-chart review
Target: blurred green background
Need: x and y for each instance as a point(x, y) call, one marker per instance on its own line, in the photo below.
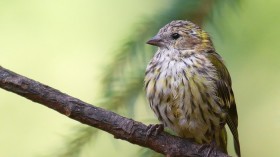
point(71, 46)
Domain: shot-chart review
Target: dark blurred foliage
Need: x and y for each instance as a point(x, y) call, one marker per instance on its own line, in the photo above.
point(123, 78)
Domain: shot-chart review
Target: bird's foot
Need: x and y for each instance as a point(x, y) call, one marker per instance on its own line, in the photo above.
point(154, 129)
point(210, 148)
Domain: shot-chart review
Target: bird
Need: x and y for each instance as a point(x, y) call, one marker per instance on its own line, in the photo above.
point(189, 87)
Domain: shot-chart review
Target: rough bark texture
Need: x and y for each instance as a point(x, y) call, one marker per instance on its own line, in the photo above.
point(121, 127)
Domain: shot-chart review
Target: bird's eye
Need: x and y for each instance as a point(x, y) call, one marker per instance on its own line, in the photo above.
point(175, 36)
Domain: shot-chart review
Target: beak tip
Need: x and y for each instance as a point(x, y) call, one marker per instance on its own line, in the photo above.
point(156, 41)
point(149, 42)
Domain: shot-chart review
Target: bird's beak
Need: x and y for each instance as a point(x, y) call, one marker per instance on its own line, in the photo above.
point(156, 41)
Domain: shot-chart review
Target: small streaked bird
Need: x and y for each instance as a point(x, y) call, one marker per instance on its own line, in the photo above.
point(189, 87)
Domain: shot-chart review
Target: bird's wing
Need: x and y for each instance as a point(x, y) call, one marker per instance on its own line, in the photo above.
point(224, 91)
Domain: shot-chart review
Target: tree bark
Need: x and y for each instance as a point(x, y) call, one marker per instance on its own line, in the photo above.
point(120, 127)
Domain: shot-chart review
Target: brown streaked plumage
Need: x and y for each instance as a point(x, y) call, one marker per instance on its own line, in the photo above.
point(189, 87)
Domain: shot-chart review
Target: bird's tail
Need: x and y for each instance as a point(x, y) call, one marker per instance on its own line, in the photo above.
point(222, 143)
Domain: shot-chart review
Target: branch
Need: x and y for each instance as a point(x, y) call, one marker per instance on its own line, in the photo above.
point(121, 127)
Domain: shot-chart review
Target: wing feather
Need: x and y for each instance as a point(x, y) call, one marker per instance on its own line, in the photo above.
point(224, 91)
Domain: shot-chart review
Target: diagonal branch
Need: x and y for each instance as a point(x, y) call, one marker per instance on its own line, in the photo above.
point(121, 127)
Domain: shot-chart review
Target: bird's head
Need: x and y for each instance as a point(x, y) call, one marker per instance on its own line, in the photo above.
point(182, 35)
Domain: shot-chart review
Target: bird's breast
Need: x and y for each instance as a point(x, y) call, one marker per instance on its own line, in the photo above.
point(168, 78)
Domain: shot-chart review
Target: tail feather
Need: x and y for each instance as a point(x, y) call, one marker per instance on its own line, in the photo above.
point(237, 148)
point(233, 129)
point(223, 140)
